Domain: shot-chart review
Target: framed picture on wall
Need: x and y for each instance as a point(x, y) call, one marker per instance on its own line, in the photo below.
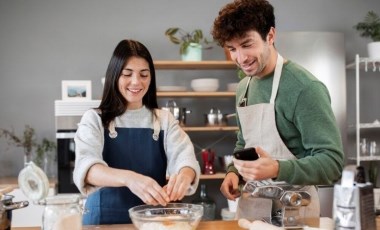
point(76, 90)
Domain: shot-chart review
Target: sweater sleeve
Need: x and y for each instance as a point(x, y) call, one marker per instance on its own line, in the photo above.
point(89, 142)
point(323, 159)
point(179, 149)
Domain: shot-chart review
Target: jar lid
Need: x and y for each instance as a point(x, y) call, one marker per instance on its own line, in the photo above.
point(61, 199)
point(33, 182)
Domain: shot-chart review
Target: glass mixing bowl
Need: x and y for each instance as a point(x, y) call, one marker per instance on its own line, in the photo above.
point(173, 216)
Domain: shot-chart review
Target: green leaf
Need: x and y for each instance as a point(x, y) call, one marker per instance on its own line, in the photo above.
point(370, 27)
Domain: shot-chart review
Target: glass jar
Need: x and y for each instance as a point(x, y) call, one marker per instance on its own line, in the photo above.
point(62, 212)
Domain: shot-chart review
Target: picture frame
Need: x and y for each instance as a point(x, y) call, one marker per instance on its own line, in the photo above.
point(76, 90)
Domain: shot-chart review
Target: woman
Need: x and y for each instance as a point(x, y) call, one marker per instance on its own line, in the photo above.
point(125, 146)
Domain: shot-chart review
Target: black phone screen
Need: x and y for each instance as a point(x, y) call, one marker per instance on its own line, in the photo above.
point(248, 154)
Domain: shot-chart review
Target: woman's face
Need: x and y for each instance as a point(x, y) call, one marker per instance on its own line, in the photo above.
point(134, 81)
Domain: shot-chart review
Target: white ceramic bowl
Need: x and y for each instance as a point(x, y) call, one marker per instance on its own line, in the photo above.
point(179, 216)
point(205, 84)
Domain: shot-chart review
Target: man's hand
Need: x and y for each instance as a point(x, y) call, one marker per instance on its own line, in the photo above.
point(230, 186)
point(261, 169)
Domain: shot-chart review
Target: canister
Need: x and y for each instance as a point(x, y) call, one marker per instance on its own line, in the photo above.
point(61, 212)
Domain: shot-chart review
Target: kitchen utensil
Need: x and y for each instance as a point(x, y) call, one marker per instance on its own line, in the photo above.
point(182, 116)
point(178, 113)
point(180, 216)
point(172, 107)
point(6, 207)
point(208, 157)
point(291, 201)
point(215, 118)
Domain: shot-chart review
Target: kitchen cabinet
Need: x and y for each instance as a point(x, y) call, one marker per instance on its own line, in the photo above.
point(363, 65)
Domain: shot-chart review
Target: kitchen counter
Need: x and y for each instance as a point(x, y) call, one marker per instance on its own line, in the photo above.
point(203, 225)
point(13, 182)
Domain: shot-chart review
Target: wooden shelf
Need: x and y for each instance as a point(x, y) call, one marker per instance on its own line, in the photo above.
point(209, 128)
point(175, 64)
point(194, 94)
point(212, 177)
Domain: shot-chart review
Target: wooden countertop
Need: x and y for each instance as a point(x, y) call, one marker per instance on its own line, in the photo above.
point(203, 225)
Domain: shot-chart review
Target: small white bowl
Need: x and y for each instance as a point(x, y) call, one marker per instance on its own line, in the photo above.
point(205, 84)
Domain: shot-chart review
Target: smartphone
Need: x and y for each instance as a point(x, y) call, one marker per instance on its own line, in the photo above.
point(248, 154)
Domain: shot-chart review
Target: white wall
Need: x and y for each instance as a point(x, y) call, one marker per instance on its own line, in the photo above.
point(45, 41)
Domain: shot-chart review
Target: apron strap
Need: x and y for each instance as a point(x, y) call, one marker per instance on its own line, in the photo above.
point(112, 130)
point(244, 101)
point(276, 78)
point(156, 124)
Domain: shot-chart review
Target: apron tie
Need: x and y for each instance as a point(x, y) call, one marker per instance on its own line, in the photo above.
point(156, 125)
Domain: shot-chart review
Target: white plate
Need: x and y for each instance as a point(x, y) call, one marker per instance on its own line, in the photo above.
point(171, 88)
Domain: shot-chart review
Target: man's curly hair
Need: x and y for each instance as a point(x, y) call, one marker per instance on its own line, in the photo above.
point(237, 18)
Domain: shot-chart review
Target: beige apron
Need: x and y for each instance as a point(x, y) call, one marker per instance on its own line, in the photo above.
point(258, 126)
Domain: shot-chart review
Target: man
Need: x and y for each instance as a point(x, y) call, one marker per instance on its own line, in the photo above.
point(282, 110)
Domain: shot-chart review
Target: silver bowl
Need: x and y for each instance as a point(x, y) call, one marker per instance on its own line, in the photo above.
point(173, 216)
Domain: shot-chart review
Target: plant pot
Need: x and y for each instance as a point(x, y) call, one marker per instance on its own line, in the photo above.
point(193, 53)
point(373, 50)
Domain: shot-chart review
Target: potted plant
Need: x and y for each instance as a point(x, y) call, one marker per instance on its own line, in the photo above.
point(370, 28)
point(190, 43)
point(30, 145)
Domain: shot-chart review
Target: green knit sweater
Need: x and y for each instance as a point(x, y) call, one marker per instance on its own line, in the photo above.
point(306, 124)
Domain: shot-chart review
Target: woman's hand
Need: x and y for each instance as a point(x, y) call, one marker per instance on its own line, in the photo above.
point(147, 189)
point(261, 169)
point(178, 184)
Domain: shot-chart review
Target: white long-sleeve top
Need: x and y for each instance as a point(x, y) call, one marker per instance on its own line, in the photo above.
point(89, 142)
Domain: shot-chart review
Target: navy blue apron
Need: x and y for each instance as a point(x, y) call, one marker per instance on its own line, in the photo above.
point(133, 149)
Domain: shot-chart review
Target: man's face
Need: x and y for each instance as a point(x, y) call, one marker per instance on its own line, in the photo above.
point(251, 53)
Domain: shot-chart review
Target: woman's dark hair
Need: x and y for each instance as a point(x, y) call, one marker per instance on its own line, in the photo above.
point(240, 16)
point(113, 104)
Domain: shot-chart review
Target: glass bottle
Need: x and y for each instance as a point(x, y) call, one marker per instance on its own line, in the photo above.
point(208, 204)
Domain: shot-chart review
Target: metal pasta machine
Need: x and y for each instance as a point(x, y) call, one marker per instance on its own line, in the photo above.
point(290, 203)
